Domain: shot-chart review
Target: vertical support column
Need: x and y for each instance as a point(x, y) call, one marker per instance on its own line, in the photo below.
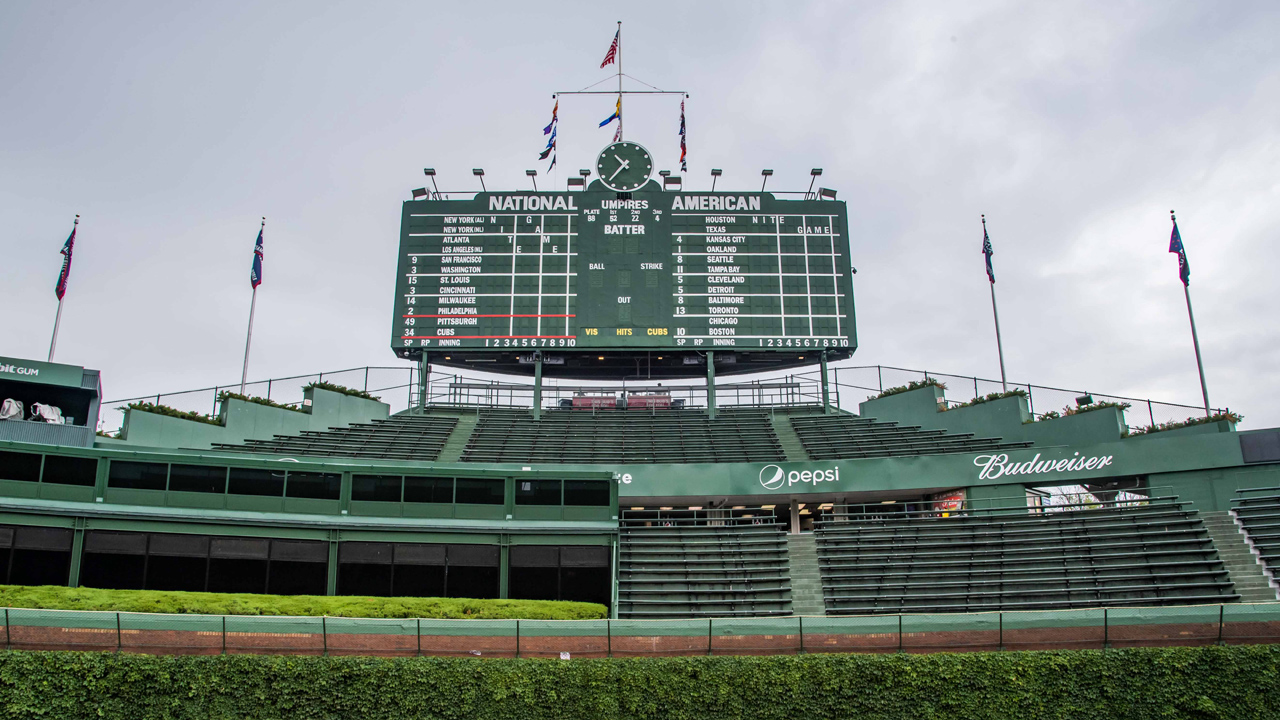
point(504, 568)
point(795, 517)
point(424, 372)
point(826, 391)
point(537, 385)
point(331, 578)
point(77, 552)
point(711, 384)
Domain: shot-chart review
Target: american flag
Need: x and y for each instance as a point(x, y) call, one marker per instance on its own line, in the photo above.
point(612, 55)
point(987, 250)
point(61, 288)
point(255, 273)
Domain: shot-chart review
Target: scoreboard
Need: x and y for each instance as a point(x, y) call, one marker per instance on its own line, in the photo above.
point(597, 270)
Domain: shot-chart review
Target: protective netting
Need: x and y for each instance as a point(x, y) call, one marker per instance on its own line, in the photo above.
point(1095, 628)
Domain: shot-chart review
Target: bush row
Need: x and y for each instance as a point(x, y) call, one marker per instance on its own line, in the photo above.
point(1214, 682)
point(155, 601)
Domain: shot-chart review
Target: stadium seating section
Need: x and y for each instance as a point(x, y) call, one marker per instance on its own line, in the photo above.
point(401, 437)
point(637, 436)
point(827, 437)
point(1153, 553)
point(1258, 512)
point(686, 565)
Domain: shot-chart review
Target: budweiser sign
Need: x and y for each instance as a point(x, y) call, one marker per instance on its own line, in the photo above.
point(998, 465)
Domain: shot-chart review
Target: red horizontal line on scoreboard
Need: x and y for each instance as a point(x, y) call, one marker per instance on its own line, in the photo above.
point(494, 315)
point(484, 337)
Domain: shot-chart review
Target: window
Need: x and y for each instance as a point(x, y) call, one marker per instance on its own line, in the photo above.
point(19, 466)
point(428, 490)
point(251, 481)
point(70, 470)
point(481, 491)
point(381, 488)
point(197, 478)
point(537, 492)
point(317, 486)
point(586, 492)
point(137, 476)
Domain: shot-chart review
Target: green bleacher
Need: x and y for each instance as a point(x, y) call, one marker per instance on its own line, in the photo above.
point(1154, 552)
point(692, 564)
point(828, 437)
point(400, 437)
point(1258, 512)
point(635, 436)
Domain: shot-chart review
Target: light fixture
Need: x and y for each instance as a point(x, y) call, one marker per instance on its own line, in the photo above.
point(585, 173)
point(715, 174)
point(419, 193)
point(1085, 399)
point(479, 172)
point(827, 193)
point(673, 181)
point(533, 175)
point(664, 173)
point(765, 174)
point(601, 357)
point(431, 173)
point(577, 182)
point(888, 502)
point(813, 175)
point(767, 507)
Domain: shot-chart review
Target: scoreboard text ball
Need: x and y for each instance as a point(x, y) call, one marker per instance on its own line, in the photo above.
point(600, 270)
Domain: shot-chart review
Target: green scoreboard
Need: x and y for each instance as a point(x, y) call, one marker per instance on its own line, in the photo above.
point(646, 273)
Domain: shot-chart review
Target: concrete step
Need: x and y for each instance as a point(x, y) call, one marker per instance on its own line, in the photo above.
point(806, 583)
point(1242, 566)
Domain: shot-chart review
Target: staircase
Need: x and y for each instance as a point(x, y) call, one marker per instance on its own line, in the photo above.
point(457, 442)
point(1242, 566)
point(788, 440)
point(806, 581)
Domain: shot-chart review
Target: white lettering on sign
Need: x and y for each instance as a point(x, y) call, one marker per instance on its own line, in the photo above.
point(19, 370)
point(623, 229)
point(531, 202)
point(715, 202)
point(773, 477)
point(995, 466)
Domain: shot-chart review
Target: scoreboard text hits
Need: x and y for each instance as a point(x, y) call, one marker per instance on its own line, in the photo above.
point(602, 271)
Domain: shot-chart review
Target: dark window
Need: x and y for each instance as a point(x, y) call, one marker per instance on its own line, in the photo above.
point(537, 492)
point(480, 491)
point(298, 578)
point(586, 492)
point(248, 481)
point(381, 488)
point(137, 476)
point(428, 490)
point(233, 575)
point(70, 470)
point(40, 567)
point(19, 466)
point(197, 478)
point(318, 486)
point(472, 582)
point(169, 572)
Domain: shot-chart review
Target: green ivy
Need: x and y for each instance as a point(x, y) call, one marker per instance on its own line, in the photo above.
point(1235, 683)
point(228, 395)
point(1189, 422)
point(173, 412)
point(1016, 392)
point(54, 597)
point(341, 389)
point(913, 385)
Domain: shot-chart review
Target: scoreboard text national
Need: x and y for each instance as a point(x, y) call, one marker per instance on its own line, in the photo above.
point(646, 271)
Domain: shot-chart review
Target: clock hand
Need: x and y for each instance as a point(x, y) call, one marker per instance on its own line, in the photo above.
point(621, 167)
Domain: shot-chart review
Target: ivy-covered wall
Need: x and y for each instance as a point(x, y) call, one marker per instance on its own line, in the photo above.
point(1239, 683)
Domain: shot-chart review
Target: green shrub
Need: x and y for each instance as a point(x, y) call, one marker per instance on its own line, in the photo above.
point(1228, 683)
point(1189, 422)
point(340, 389)
point(913, 385)
point(53, 597)
point(173, 412)
point(228, 395)
point(1016, 392)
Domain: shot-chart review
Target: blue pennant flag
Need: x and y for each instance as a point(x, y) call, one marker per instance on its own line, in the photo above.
point(987, 250)
point(1175, 246)
point(617, 114)
point(255, 274)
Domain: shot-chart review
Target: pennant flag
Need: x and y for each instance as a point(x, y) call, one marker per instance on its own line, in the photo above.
point(617, 114)
point(986, 250)
point(61, 288)
point(612, 55)
point(547, 152)
point(553, 163)
point(1175, 246)
point(551, 142)
point(617, 134)
point(255, 273)
point(555, 112)
point(684, 166)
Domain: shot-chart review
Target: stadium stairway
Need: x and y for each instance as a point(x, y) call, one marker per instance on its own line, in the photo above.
point(842, 435)
point(806, 580)
point(788, 441)
point(1246, 571)
point(1151, 552)
point(1257, 513)
point(457, 442)
point(698, 564)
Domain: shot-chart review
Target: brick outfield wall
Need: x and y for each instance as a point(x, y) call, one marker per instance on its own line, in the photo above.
point(186, 642)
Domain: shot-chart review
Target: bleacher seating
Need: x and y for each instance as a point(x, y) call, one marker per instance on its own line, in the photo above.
point(1258, 512)
point(401, 437)
point(828, 437)
point(636, 436)
point(1154, 553)
point(685, 564)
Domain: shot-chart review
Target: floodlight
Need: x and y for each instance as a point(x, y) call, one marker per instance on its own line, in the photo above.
point(765, 174)
point(431, 173)
point(576, 182)
point(584, 173)
point(533, 175)
point(479, 172)
point(715, 174)
point(671, 181)
point(827, 193)
point(1085, 399)
point(813, 175)
point(664, 173)
point(419, 193)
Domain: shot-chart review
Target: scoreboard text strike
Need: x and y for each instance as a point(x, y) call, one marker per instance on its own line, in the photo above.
point(587, 270)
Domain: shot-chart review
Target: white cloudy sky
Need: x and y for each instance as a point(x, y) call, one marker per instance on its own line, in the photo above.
point(172, 127)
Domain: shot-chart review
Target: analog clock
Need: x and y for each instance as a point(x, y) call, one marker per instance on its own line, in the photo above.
point(624, 166)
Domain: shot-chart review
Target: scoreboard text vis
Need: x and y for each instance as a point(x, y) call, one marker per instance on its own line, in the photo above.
point(597, 270)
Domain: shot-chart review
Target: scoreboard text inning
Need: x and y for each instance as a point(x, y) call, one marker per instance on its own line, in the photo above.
point(649, 270)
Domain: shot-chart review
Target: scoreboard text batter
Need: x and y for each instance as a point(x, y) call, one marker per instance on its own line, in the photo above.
point(587, 270)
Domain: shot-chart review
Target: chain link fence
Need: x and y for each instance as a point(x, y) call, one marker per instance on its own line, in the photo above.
point(1098, 628)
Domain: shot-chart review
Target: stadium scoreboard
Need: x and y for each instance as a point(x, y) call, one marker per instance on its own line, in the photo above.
point(597, 270)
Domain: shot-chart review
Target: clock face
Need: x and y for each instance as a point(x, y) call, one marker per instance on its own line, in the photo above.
point(624, 166)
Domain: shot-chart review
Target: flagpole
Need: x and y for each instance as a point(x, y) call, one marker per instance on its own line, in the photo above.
point(999, 345)
point(57, 320)
point(1195, 339)
point(619, 79)
point(253, 303)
